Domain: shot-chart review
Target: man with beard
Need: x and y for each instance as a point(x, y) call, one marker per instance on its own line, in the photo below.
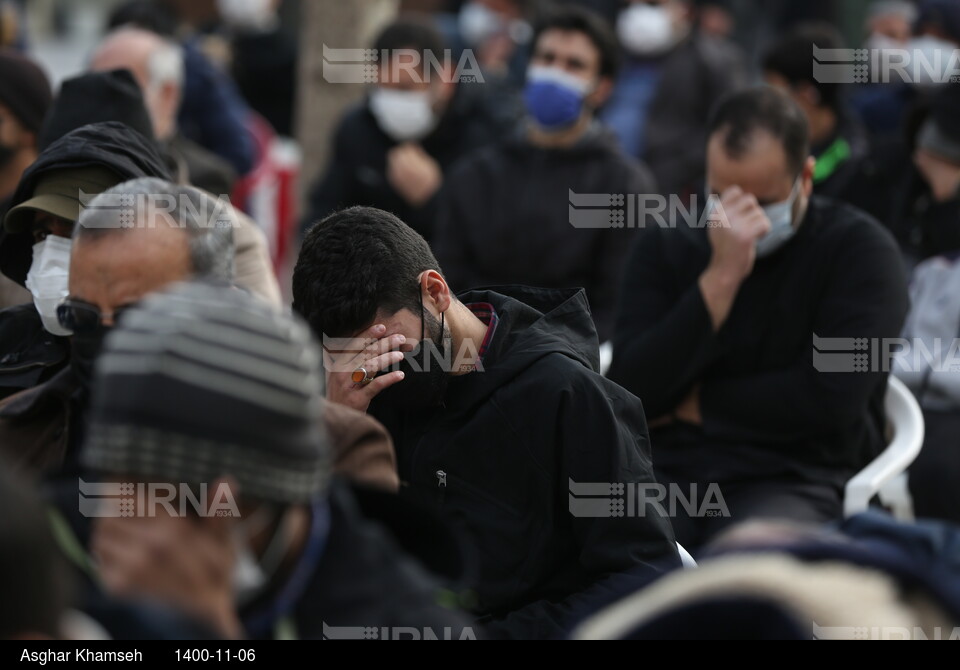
point(496, 420)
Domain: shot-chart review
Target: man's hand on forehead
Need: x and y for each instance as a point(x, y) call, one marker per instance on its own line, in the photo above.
point(352, 365)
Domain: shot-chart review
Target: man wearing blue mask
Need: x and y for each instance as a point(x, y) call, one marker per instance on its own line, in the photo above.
point(505, 210)
point(716, 328)
point(425, 110)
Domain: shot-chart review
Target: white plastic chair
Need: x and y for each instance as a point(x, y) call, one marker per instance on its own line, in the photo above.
point(886, 475)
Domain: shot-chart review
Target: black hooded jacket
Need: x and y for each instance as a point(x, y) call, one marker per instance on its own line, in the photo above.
point(110, 145)
point(29, 355)
point(499, 457)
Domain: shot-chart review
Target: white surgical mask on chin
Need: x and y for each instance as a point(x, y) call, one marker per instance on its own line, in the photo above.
point(403, 115)
point(781, 224)
point(645, 30)
point(48, 279)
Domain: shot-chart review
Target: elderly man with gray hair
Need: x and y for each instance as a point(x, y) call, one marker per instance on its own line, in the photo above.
point(157, 66)
point(132, 240)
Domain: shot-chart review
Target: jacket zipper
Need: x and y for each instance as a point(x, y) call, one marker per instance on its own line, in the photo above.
point(442, 485)
point(21, 368)
point(442, 477)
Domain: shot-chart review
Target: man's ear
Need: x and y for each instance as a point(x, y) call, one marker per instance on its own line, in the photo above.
point(807, 175)
point(601, 93)
point(435, 290)
point(808, 93)
point(172, 96)
point(28, 140)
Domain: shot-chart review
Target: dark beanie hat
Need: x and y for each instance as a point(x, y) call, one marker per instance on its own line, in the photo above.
point(24, 89)
point(203, 381)
point(94, 97)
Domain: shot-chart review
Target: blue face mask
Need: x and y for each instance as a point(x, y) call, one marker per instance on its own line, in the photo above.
point(781, 224)
point(554, 98)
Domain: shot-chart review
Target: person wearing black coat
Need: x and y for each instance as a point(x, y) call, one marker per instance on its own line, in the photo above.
point(718, 330)
point(29, 354)
point(368, 161)
point(505, 218)
point(502, 434)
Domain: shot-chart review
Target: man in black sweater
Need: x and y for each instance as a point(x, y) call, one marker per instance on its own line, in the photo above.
point(495, 418)
point(716, 328)
point(504, 213)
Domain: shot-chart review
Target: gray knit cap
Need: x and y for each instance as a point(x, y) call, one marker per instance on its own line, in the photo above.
point(202, 381)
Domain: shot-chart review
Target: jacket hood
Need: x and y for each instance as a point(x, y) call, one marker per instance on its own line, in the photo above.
point(532, 323)
point(111, 145)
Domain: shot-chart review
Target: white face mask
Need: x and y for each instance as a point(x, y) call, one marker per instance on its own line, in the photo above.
point(403, 115)
point(48, 279)
point(477, 23)
point(932, 58)
point(646, 30)
point(781, 224)
point(250, 14)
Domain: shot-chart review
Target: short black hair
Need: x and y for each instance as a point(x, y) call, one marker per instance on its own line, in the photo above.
point(411, 32)
point(355, 262)
point(591, 24)
point(792, 58)
point(739, 115)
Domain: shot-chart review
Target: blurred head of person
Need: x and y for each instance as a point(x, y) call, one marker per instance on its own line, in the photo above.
point(939, 20)
point(192, 14)
point(479, 21)
point(34, 577)
point(758, 141)
point(135, 238)
point(11, 25)
point(363, 266)
point(95, 97)
point(650, 28)
point(788, 66)
point(416, 80)
point(157, 17)
point(889, 24)
point(572, 67)
point(36, 238)
point(25, 98)
point(933, 50)
point(240, 420)
point(937, 146)
point(156, 64)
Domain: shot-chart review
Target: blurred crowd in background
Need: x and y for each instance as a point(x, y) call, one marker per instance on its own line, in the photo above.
point(636, 347)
